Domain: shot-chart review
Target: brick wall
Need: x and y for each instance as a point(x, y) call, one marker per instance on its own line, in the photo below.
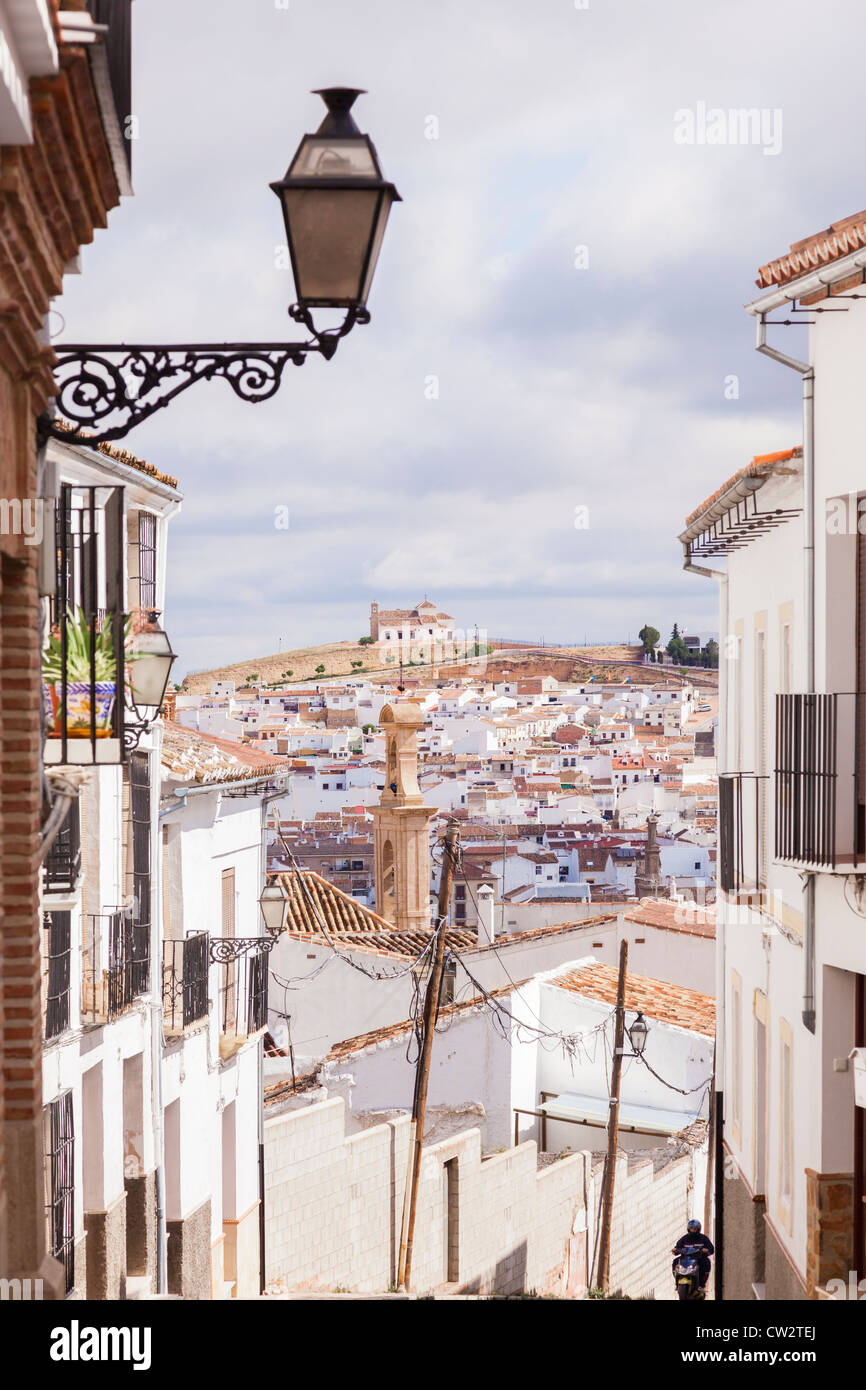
point(333, 1210)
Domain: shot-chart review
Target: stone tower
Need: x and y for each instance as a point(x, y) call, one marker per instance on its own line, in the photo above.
point(374, 621)
point(647, 883)
point(401, 845)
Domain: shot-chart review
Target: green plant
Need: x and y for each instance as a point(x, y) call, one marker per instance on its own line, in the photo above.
point(253, 676)
point(78, 654)
point(320, 670)
point(365, 641)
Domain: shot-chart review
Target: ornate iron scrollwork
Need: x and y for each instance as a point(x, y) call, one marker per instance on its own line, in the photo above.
point(107, 389)
point(225, 949)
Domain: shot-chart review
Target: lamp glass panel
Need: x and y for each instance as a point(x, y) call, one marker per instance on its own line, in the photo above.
point(330, 230)
point(321, 157)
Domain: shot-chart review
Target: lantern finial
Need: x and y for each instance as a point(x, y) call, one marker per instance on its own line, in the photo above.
point(339, 101)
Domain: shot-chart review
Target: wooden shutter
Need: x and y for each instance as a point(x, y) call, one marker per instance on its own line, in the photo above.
point(228, 902)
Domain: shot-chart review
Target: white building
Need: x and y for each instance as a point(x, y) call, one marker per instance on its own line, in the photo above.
point(792, 958)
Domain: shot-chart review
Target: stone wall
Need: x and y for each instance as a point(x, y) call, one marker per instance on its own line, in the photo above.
point(333, 1210)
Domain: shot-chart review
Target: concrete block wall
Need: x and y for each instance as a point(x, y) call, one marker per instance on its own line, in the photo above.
point(334, 1203)
point(651, 1208)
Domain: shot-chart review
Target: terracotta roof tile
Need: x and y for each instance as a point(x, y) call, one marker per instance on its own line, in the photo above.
point(667, 1003)
point(838, 240)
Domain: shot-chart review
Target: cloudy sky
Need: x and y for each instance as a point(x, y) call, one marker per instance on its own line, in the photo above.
point(569, 272)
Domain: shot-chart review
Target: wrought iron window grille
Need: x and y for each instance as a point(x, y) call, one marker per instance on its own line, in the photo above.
point(61, 1185)
point(58, 926)
point(820, 785)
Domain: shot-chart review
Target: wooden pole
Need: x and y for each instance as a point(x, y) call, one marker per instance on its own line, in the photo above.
point(422, 1076)
point(612, 1125)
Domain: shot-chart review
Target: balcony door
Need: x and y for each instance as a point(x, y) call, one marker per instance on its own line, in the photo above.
point(761, 753)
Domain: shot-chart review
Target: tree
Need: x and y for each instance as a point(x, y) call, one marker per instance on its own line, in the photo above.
point(253, 676)
point(368, 728)
point(320, 670)
point(650, 637)
point(712, 651)
point(288, 673)
point(365, 641)
point(355, 665)
point(676, 647)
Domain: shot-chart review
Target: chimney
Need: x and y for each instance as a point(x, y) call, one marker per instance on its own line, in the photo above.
point(486, 929)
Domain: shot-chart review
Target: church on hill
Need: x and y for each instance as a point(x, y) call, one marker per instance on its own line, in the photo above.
point(423, 633)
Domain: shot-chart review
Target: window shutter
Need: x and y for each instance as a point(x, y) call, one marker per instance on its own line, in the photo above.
point(228, 902)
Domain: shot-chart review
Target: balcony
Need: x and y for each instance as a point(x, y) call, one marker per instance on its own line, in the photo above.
point(820, 787)
point(185, 966)
point(83, 664)
point(242, 992)
point(62, 864)
point(116, 965)
point(742, 855)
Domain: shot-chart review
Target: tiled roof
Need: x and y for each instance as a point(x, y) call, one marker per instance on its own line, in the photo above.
point(761, 466)
point(341, 913)
point(192, 756)
point(396, 1030)
point(822, 248)
point(667, 1003)
point(114, 451)
point(689, 918)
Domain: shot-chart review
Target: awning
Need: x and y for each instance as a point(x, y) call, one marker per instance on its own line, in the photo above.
point(642, 1119)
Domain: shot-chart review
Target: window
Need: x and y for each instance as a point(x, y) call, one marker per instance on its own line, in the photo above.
point(146, 560)
point(58, 926)
point(61, 1184)
point(538, 868)
point(697, 863)
point(227, 887)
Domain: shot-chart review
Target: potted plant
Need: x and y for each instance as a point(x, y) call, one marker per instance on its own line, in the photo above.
point(86, 686)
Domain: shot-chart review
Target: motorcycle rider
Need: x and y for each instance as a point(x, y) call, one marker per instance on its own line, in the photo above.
point(694, 1237)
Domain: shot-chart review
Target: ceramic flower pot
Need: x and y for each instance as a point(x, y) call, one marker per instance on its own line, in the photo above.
point(79, 697)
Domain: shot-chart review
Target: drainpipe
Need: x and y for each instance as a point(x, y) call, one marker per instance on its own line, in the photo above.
point(807, 373)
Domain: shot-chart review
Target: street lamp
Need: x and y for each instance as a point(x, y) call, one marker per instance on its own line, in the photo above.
point(335, 204)
point(274, 902)
point(637, 1034)
point(150, 659)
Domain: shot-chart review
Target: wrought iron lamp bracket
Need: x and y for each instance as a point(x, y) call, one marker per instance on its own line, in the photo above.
point(105, 389)
point(225, 949)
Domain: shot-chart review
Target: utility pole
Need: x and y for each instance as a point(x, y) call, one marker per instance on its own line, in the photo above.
point(613, 1125)
point(422, 1076)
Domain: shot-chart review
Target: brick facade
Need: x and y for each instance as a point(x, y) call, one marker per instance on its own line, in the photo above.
point(53, 193)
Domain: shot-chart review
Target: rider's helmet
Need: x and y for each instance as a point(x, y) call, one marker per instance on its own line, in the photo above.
point(694, 1226)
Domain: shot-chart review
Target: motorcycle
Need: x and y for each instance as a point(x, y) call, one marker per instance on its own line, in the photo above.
point(687, 1273)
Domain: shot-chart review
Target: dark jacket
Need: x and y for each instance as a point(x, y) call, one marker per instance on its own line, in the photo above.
point(707, 1247)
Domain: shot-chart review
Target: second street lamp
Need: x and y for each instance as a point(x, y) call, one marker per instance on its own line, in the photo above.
point(336, 203)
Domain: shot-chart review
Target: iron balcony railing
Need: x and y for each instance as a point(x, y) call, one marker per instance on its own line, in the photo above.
point(116, 964)
point(62, 864)
point(185, 966)
point(61, 1184)
point(83, 663)
point(820, 787)
point(742, 853)
point(242, 993)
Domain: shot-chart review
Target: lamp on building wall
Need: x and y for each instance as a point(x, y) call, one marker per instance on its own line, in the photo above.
point(335, 203)
point(274, 902)
point(150, 659)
